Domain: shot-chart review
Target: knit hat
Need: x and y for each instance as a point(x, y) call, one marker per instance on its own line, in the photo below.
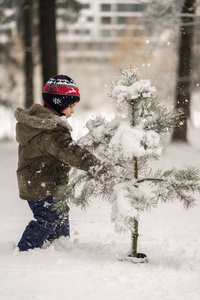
point(60, 92)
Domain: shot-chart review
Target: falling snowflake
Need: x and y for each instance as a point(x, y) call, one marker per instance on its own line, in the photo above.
point(56, 101)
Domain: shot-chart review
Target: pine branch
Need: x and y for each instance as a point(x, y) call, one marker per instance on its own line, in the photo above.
point(66, 194)
point(174, 184)
point(169, 185)
point(160, 119)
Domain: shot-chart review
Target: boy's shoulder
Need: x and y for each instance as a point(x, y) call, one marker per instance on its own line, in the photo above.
point(40, 117)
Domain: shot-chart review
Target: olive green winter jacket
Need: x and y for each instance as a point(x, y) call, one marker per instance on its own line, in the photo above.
point(46, 152)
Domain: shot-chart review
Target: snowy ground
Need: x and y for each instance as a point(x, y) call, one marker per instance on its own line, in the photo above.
point(88, 265)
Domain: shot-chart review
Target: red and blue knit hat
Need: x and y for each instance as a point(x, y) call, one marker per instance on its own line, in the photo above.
point(60, 92)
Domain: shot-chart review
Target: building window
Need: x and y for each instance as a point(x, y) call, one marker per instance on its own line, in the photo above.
point(126, 20)
point(105, 7)
point(90, 19)
point(122, 20)
point(106, 20)
point(130, 7)
point(82, 31)
point(106, 33)
point(85, 5)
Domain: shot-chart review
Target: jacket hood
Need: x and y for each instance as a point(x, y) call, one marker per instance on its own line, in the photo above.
point(35, 119)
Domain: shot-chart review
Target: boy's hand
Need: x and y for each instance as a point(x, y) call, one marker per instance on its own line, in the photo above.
point(101, 172)
point(106, 176)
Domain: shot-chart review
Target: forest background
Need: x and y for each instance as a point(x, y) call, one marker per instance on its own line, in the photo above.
point(166, 51)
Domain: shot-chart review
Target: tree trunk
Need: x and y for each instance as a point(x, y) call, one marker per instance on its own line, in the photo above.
point(134, 234)
point(47, 16)
point(184, 69)
point(134, 239)
point(28, 59)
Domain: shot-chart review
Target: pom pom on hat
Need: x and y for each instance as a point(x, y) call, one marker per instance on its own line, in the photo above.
point(60, 92)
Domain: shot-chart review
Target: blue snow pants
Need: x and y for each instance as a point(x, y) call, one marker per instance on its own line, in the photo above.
point(47, 226)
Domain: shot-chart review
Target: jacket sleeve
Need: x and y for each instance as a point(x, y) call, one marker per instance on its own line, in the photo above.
point(60, 144)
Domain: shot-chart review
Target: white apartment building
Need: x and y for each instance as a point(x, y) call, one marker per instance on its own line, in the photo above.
point(102, 23)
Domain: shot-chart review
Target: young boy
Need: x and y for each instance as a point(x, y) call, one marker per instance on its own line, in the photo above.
point(46, 153)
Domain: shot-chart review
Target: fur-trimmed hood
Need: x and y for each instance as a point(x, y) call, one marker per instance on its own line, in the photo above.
point(39, 118)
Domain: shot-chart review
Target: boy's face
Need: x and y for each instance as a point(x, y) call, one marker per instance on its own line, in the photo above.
point(69, 110)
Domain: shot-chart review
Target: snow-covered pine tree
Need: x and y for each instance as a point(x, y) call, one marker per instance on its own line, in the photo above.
point(126, 144)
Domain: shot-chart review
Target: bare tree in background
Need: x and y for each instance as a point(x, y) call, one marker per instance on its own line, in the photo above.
point(28, 59)
point(167, 14)
point(47, 31)
point(47, 28)
point(184, 70)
